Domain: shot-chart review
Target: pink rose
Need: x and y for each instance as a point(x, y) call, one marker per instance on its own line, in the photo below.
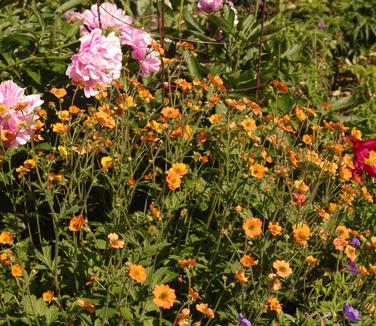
point(17, 114)
point(209, 5)
point(97, 63)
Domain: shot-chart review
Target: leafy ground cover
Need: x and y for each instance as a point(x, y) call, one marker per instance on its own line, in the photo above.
point(187, 163)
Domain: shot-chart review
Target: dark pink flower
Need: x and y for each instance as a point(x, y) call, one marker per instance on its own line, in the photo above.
point(209, 5)
point(364, 156)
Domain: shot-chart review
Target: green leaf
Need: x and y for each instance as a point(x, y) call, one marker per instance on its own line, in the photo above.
point(35, 75)
point(343, 103)
point(191, 21)
point(126, 313)
point(70, 4)
point(192, 64)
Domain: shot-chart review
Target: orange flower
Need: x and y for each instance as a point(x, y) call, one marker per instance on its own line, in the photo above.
point(301, 233)
point(204, 308)
point(170, 113)
point(240, 276)
point(58, 92)
point(307, 139)
point(217, 82)
point(164, 296)
point(356, 133)
point(194, 294)
point(105, 119)
point(345, 173)
point(215, 118)
point(48, 296)
point(5, 257)
point(350, 252)
point(180, 168)
point(332, 207)
point(106, 163)
point(84, 303)
point(6, 237)
point(283, 268)
point(76, 223)
point(187, 262)
point(343, 231)
point(249, 124)
point(17, 270)
point(113, 238)
point(300, 114)
point(274, 305)
point(60, 128)
point(258, 170)
point(173, 179)
point(279, 86)
point(275, 228)
point(300, 186)
point(311, 260)
point(252, 227)
point(155, 211)
point(137, 273)
point(247, 261)
point(274, 282)
point(340, 243)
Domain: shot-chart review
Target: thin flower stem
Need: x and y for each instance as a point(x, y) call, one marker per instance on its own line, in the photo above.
point(260, 49)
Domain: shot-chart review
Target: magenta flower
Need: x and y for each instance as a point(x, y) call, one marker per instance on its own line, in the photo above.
point(350, 313)
point(209, 5)
point(17, 114)
point(97, 63)
point(364, 156)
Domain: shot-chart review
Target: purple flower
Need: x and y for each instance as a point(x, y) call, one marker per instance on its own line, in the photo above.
point(352, 267)
point(209, 5)
point(355, 242)
point(351, 314)
point(322, 25)
point(242, 321)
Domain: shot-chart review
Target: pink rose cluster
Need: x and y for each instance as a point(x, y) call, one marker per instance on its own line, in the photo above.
point(17, 114)
point(97, 63)
point(111, 17)
point(209, 5)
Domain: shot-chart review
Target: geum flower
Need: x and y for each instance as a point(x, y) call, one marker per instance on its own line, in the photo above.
point(97, 63)
point(364, 156)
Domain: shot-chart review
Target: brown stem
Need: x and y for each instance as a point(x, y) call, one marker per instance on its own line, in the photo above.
point(161, 17)
point(260, 48)
point(99, 14)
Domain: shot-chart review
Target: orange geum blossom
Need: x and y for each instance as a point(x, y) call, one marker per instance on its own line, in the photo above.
point(300, 115)
point(343, 232)
point(170, 113)
point(173, 179)
point(252, 227)
point(6, 238)
point(372, 268)
point(274, 228)
point(60, 128)
point(350, 252)
point(257, 170)
point(274, 304)
point(324, 215)
point(155, 211)
point(311, 260)
point(105, 119)
point(279, 86)
point(329, 167)
point(113, 238)
point(62, 150)
point(217, 82)
point(106, 163)
point(300, 186)
point(307, 139)
point(356, 133)
point(215, 118)
point(340, 243)
point(180, 168)
point(301, 233)
point(204, 308)
point(247, 261)
point(76, 223)
point(195, 295)
point(345, 173)
point(48, 296)
point(164, 296)
point(137, 273)
point(182, 318)
point(187, 262)
point(154, 125)
point(17, 270)
point(5, 257)
point(240, 276)
point(363, 270)
point(249, 124)
point(58, 92)
point(73, 109)
point(274, 282)
point(282, 268)
point(84, 303)
point(63, 115)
